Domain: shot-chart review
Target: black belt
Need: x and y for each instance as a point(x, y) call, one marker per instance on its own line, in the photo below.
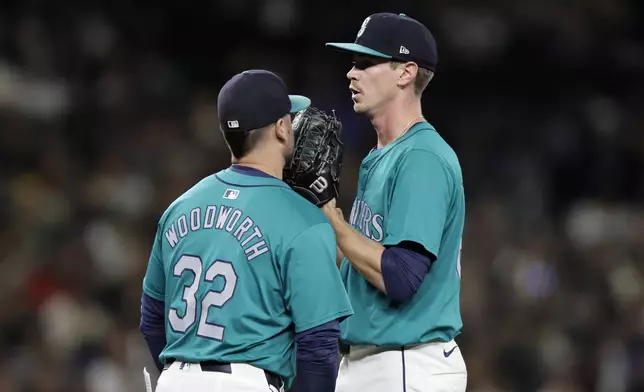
point(345, 349)
point(225, 367)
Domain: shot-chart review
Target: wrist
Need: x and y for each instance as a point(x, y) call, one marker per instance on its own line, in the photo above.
point(340, 226)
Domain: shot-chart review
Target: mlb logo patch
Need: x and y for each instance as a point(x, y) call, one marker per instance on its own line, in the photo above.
point(231, 194)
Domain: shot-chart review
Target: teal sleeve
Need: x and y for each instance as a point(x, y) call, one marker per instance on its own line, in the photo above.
point(154, 280)
point(344, 270)
point(419, 202)
point(314, 291)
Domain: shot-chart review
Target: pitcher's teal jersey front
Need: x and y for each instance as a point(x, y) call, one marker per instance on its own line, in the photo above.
point(409, 190)
point(243, 263)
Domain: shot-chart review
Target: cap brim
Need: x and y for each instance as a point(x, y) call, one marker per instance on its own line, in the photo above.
point(299, 103)
point(357, 48)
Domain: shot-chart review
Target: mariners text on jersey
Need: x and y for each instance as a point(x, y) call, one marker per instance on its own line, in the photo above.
point(366, 221)
point(247, 233)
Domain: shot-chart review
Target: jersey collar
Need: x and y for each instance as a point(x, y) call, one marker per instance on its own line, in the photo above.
point(378, 152)
point(250, 171)
point(243, 176)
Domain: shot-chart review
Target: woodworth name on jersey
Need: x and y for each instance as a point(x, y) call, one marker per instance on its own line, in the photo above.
point(247, 233)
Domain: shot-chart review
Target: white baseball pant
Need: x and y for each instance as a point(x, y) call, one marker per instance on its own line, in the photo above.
point(189, 377)
point(431, 367)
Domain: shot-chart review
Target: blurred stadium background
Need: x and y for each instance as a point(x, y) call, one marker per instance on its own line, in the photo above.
point(108, 112)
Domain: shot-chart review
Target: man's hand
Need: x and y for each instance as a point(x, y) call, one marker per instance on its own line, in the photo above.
point(331, 211)
point(339, 211)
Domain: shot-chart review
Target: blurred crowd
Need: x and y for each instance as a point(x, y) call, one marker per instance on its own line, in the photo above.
point(108, 113)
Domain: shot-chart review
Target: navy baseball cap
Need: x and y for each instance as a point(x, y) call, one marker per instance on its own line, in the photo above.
point(395, 37)
point(255, 98)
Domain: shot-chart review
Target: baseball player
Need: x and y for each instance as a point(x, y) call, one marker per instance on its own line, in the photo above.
point(242, 267)
point(402, 243)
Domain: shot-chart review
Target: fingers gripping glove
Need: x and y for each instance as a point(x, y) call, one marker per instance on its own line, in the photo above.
point(314, 169)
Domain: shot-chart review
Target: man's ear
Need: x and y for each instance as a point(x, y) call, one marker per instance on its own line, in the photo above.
point(281, 130)
point(408, 73)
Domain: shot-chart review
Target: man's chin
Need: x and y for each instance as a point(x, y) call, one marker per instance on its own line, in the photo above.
point(359, 108)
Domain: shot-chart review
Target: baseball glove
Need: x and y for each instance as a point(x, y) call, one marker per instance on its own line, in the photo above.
point(314, 169)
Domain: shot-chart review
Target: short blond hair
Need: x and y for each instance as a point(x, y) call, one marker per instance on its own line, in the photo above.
point(423, 77)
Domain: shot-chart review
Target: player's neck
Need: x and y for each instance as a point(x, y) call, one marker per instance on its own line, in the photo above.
point(274, 169)
point(396, 120)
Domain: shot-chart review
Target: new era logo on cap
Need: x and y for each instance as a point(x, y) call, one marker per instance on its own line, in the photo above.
point(233, 124)
point(403, 50)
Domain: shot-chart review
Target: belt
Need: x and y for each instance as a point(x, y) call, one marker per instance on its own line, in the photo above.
point(345, 349)
point(225, 367)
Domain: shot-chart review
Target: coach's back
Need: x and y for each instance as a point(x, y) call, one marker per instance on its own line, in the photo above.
point(238, 256)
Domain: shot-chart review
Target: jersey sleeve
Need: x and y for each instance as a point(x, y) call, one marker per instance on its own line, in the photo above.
point(314, 291)
point(419, 202)
point(154, 279)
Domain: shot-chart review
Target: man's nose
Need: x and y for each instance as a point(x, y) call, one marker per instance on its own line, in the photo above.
point(351, 75)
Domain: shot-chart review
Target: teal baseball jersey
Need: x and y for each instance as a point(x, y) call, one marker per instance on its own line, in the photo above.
point(409, 190)
point(243, 263)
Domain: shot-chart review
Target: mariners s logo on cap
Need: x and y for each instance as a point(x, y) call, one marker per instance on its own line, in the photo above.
point(363, 27)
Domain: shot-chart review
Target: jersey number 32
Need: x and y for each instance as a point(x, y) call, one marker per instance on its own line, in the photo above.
point(194, 265)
